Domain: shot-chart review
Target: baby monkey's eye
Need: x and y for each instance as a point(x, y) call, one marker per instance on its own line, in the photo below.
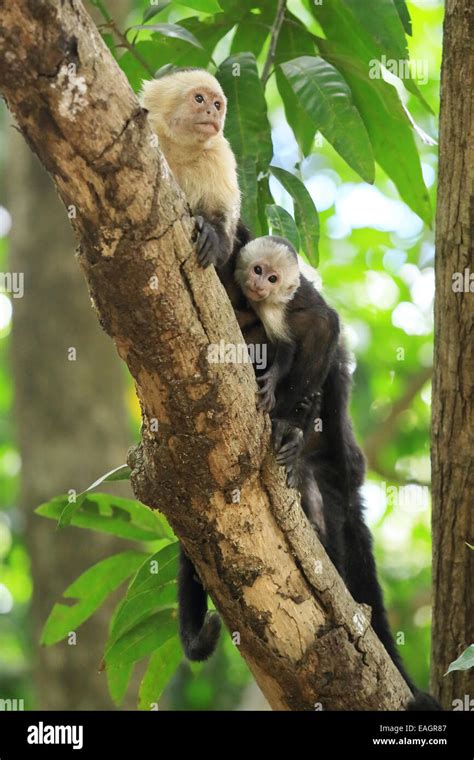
point(257, 270)
point(217, 104)
point(273, 278)
point(199, 98)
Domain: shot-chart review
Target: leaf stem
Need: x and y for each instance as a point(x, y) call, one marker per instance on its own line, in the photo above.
point(277, 24)
point(130, 47)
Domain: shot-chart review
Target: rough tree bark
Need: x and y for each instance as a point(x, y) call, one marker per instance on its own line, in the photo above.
point(304, 638)
point(453, 387)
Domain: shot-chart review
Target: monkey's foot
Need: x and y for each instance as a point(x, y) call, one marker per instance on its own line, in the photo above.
point(207, 243)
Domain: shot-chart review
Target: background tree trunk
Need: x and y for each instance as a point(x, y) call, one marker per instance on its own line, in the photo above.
point(71, 422)
point(453, 387)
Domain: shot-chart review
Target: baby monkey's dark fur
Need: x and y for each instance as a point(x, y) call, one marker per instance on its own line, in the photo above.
point(324, 461)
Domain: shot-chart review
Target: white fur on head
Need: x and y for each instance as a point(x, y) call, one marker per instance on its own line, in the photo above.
point(278, 255)
point(205, 169)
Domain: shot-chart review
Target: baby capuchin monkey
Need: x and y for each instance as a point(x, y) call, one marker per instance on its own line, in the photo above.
point(302, 329)
point(308, 378)
point(187, 109)
point(303, 332)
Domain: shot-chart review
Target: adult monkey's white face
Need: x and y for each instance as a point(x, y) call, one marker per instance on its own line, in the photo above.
point(202, 111)
point(187, 106)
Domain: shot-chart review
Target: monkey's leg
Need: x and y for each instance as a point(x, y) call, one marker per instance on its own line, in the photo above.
point(198, 629)
point(281, 365)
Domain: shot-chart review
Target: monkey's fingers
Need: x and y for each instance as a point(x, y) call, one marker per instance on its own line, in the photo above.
point(206, 254)
point(279, 428)
point(305, 404)
point(266, 400)
point(199, 222)
point(207, 246)
point(291, 450)
point(292, 477)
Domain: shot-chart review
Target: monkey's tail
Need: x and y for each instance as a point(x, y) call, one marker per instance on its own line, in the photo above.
point(364, 586)
point(199, 629)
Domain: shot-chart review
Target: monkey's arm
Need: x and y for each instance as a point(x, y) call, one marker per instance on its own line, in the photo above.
point(281, 365)
point(298, 403)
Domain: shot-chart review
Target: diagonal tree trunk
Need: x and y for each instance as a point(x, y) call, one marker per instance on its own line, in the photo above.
point(453, 387)
point(304, 638)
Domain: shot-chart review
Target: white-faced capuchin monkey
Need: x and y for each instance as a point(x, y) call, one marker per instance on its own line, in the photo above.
point(187, 109)
point(302, 329)
point(309, 377)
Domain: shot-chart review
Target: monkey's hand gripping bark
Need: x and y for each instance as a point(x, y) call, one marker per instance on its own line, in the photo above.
point(213, 244)
point(266, 392)
point(289, 440)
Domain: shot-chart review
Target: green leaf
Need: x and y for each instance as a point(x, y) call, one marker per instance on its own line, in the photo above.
point(142, 639)
point(119, 473)
point(152, 589)
point(381, 21)
point(170, 30)
point(117, 681)
point(265, 198)
point(161, 667)
point(327, 100)
point(154, 10)
point(112, 514)
point(204, 6)
point(404, 14)
point(252, 32)
point(283, 224)
point(247, 125)
point(90, 590)
point(293, 41)
point(209, 31)
point(156, 53)
point(367, 30)
point(306, 215)
point(464, 661)
point(249, 189)
point(389, 129)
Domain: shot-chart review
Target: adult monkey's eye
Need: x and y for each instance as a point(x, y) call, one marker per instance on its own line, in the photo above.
point(217, 104)
point(257, 269)
point(199, 98)
point(273, 278)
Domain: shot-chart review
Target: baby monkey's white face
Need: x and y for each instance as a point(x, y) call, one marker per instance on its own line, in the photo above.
point(261, 282)
point(267, 271)
point(202, 113)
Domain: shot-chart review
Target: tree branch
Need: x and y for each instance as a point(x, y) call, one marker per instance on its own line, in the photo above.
point(277, 24)
point(387, 429)
point(304, 638)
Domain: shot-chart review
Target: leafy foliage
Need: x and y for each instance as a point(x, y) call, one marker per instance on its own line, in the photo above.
point(145, 618)
point(464, 661)
point(324, 84)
